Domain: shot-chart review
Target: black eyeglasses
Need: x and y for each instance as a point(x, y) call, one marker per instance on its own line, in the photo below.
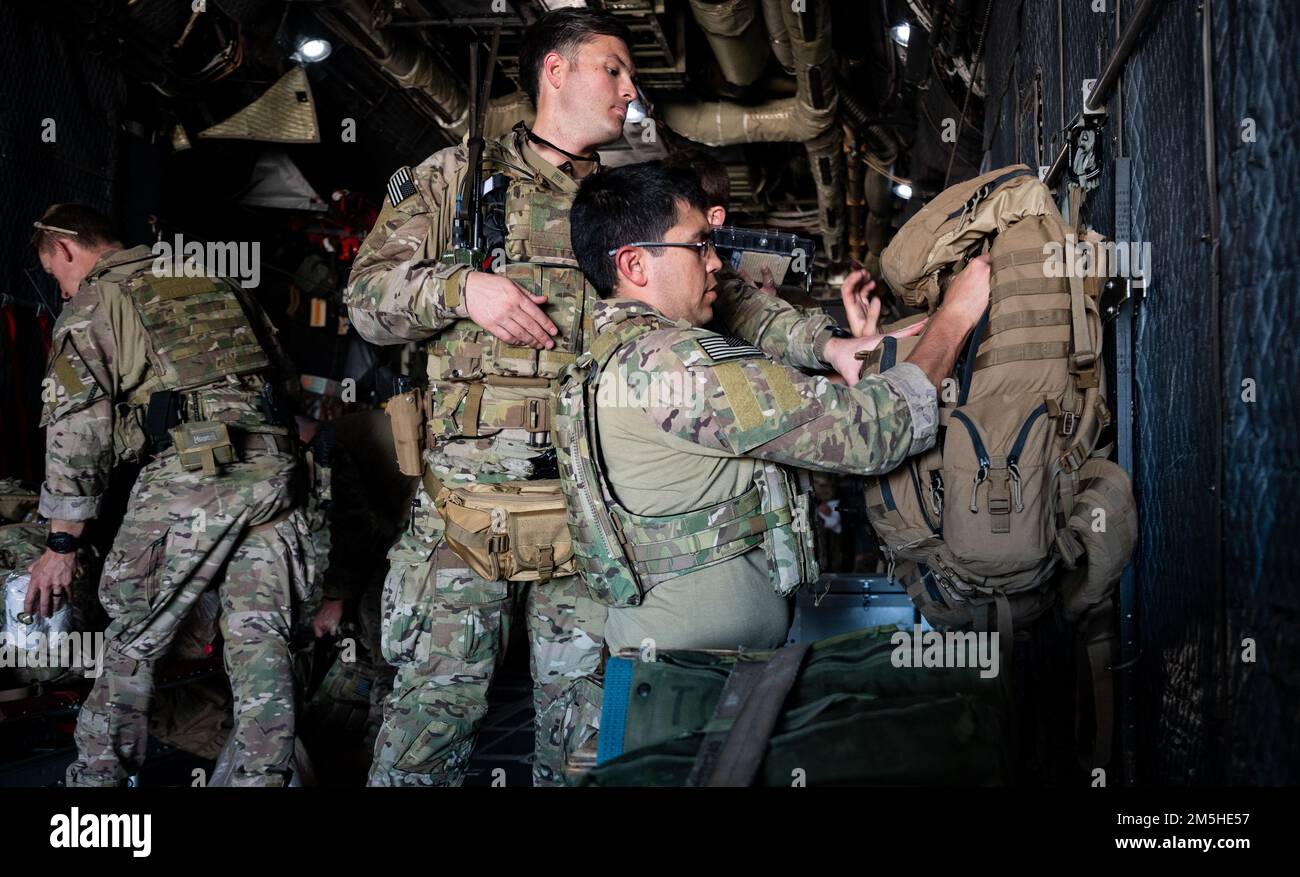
point(701, 248)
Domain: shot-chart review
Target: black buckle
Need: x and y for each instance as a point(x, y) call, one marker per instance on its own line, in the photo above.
point(545, 467)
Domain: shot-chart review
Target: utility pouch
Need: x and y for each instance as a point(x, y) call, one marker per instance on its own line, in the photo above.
point(406, 417)
point(204, 444)
point(515, 532)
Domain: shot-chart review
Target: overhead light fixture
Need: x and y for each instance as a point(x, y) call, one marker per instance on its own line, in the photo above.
point(903, 190)
point(901, 33)
point(312, 49)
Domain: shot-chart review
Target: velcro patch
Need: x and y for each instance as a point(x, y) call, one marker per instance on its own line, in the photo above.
point(726, 348)
point(400, 186)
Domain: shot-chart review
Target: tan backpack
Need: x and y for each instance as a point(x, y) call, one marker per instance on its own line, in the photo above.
point(978, 527)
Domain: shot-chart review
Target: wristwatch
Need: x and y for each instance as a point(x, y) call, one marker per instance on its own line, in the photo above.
point(62, 543)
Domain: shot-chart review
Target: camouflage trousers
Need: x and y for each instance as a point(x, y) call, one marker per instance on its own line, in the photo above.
point(182, 534)
point(445, 628)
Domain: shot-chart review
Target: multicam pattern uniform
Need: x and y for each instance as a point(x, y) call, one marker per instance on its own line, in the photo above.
point(241, 531)
point(444, 627)
point(684, 417)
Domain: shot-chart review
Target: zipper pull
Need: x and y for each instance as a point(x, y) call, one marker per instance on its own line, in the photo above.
point(980, 476)
point(1015, 487)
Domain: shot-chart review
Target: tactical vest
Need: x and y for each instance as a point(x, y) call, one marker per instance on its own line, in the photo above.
point(479, 384)
point(622, 555)
point(198, 332)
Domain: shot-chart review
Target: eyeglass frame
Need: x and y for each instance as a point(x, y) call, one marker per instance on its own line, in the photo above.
point(701, 248)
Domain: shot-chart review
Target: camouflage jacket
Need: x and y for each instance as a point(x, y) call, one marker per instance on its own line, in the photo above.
point(687, 411)
point(399, 290)
point(98, 357)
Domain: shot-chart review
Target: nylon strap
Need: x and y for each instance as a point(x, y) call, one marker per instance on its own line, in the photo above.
point(1002, 261)
point(1006, 627)
point(473, 402)
point(749, 705)
point(1084, 356)
point(1028, 320)
point(1033, 286)
point(1097, 638)
point(1022, 352)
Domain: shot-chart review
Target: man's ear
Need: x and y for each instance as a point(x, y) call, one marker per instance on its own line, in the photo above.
point(717, 215)
point(554, 66)
point(63, 250)
point(630, 265)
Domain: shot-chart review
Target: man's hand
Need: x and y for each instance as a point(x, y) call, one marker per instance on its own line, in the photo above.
point(963, 305)
point(327, 618)
point(864, 314)
point(862, 308)
point(511, 314)
point(51, 582)
point(767, 287)
point(968, 294)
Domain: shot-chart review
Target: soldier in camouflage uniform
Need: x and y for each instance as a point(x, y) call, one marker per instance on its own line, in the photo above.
point(126, 333)
point(717, 407)
point(497, 340)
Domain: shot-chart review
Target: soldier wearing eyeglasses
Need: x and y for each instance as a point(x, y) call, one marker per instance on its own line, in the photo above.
point(712, 527)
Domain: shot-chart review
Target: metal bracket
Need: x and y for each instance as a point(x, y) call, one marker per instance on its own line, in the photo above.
point(1088, 86)
point(1115, 292)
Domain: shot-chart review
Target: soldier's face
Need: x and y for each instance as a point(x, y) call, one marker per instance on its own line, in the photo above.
point(593, 92)
point(683, 280)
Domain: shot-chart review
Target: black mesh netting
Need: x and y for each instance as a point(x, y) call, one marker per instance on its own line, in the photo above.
point(1206, 716)
point(46, 77)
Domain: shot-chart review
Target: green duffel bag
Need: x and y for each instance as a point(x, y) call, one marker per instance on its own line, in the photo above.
point(838, 712)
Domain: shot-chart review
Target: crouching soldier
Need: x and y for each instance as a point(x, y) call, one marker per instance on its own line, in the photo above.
point(144, 363)
point(674, 439)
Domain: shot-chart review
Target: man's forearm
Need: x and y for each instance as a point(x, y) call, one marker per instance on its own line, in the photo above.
point(790, 336)
point(936, 354)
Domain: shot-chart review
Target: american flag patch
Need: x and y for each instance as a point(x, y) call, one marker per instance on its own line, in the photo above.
point(724, 348)
point(400, 186)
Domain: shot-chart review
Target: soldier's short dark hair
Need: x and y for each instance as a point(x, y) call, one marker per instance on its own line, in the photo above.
point(636, 202)
point(712, 173)
point(90, 228)
point(563, 31)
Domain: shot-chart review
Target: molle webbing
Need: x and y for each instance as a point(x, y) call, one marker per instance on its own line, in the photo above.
point(198, 331)
point(1031, 286)
point(662, 548)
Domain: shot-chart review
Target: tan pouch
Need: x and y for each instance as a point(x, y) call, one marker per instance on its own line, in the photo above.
point(406, 417)
point(515, 532)
point(1104, 521)
point(203, 445)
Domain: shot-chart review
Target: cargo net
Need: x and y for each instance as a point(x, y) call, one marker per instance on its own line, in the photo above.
point(58, 142)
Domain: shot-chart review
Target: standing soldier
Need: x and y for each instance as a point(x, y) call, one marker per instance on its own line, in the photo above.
point(180, 367)
point(497, 341)
point(711, 534)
